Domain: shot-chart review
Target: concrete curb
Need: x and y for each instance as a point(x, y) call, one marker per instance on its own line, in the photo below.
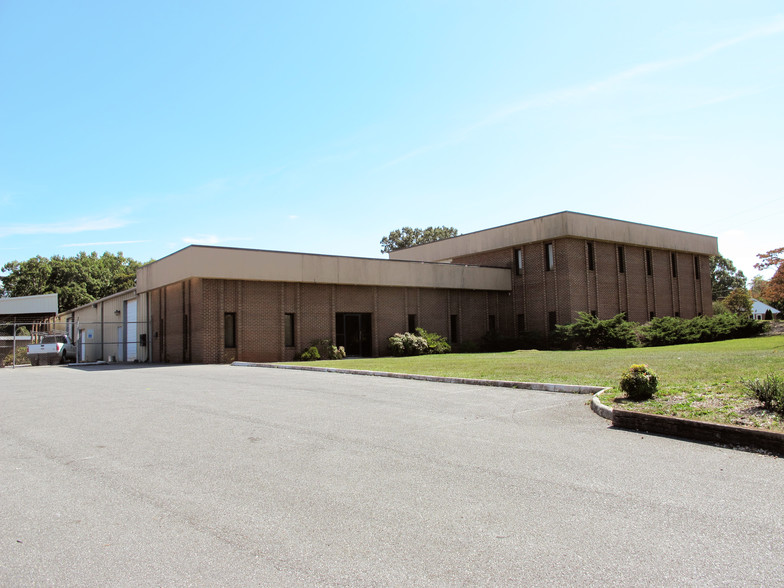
point(701, 431)
point(602, 410)
point(568, 388)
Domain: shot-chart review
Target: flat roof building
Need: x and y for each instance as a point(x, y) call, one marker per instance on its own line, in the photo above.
point(219, 304)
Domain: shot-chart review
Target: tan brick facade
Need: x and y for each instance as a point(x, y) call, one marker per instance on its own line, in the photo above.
point(259, 308)
point(619, 280)
point(217, 304)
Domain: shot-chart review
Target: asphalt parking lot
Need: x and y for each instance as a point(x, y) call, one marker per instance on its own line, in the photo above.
point(219, 475)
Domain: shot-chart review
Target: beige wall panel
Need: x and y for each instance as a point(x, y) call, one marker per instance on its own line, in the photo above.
point(560, 225)
point(246, 264)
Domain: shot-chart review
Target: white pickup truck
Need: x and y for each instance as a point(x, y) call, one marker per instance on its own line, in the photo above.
point(52, 349)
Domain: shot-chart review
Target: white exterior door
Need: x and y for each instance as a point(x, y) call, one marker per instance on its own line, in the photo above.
point(130, 330)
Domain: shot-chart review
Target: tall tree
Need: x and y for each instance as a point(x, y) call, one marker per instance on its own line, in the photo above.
point(739, 302)
point(408, 237)
point(725, 277)
point(773, 293)
point(76, 280)
point(757, 286)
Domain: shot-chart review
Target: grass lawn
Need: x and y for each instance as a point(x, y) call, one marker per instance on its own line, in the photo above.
point(698, 381)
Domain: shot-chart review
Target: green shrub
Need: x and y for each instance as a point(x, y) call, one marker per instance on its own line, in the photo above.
point(328, 349)
point(407, 344)
point(310, 354)
point(669, 330)
point(770, 391)
point(639, 382)
point(21, 357)
point(593, 333)
point(418, 343)
point(435, 343)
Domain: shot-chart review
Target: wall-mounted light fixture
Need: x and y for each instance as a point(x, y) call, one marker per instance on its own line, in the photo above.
point(116, 313)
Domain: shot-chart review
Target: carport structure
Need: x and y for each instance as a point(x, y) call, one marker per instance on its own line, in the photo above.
point(31, 312)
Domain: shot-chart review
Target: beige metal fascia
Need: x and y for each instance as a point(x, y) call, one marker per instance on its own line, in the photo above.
point(561, 225)
point(36, 304)
point(226, 263)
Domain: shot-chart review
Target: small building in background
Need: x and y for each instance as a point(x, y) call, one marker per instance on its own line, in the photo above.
point(22, 318)
point(761, 311)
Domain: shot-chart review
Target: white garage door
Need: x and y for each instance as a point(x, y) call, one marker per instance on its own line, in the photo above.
point(130, 330)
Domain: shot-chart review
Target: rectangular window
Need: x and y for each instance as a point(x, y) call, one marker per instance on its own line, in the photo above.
point(518, 262)
point(552, 320)
point(185, 332)
point(591, 257)
point(412, 323)
point(520, 324)
point(453, 336)
point(652, 315)
point(697, 267)
point(621, 259)
point(674, 259)
point(288, 329)
point(594, 313)
point(549, 257)
point(491, 323)
point(648, 262)
point(230, 330)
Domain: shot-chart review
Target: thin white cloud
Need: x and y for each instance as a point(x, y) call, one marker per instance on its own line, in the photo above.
point(203, 240)
point(578, 92)
point(644, 69)
point(64, 227)
point(210, 240)
point(101, 243)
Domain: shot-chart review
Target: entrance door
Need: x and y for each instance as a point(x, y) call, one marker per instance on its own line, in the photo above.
point(354, 333)
point(130, 330)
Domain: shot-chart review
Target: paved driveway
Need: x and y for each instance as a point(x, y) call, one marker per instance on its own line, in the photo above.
point(218, 475)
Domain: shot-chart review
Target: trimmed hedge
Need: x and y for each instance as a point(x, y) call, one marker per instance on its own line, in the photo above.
point(589, 332)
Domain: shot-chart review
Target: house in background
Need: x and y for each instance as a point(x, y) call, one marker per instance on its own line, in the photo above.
point(760, 311)
point(218, 304)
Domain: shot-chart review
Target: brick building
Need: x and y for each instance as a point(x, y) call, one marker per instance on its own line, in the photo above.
point(218, 304)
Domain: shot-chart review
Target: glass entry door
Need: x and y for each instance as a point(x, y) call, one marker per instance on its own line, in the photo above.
point(354, 333)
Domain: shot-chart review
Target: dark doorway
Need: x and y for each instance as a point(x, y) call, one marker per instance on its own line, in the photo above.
point(354, 333)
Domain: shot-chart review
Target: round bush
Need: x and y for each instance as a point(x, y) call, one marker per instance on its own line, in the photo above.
point(639, 382)
point(310, 354)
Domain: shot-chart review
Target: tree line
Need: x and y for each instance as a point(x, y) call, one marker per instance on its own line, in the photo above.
point(76, 280)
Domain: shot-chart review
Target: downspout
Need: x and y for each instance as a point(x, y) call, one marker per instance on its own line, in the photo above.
point(103, 332)
point(148, 350)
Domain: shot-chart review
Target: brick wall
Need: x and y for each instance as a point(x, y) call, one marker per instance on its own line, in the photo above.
point(187, 318)
point(571, 286)
point(259, 308)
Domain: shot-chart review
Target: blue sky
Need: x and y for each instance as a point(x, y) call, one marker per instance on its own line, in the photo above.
point(321, 126)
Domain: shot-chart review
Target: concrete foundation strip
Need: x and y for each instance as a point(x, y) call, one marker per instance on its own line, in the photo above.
point(571, 389)
point(731, 435)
